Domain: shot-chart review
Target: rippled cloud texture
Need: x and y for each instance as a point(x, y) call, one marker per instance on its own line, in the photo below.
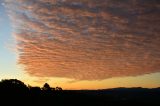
point(87, 39)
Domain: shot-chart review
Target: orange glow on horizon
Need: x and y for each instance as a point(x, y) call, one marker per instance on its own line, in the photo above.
point(152, 80)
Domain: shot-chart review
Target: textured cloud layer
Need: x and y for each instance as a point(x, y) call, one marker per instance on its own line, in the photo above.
point(87, 39)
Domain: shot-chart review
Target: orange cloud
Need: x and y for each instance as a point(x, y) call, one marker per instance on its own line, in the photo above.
point(86, 39)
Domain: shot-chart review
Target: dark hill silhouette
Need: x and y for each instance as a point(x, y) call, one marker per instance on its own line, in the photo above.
point(17, 92)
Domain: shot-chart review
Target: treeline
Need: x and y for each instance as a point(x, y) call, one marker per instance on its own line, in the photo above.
point(14, 87)
point(16, 91)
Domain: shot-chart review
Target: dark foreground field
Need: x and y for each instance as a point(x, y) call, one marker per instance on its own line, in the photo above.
point(16, 92)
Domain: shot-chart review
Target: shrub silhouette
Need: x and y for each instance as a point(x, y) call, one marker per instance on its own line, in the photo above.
point(58, 88)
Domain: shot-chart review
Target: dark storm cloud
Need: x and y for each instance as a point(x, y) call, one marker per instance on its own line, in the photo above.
point(87, 39)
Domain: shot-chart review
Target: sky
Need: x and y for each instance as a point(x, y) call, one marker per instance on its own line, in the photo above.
point(81, 44)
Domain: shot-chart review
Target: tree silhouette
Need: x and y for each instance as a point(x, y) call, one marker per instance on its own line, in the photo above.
point(12, 87)
point(46, 87)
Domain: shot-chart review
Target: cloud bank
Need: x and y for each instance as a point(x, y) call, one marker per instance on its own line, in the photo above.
point(87, 39)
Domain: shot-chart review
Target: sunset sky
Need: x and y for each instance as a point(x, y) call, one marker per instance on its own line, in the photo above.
point(81, 44)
